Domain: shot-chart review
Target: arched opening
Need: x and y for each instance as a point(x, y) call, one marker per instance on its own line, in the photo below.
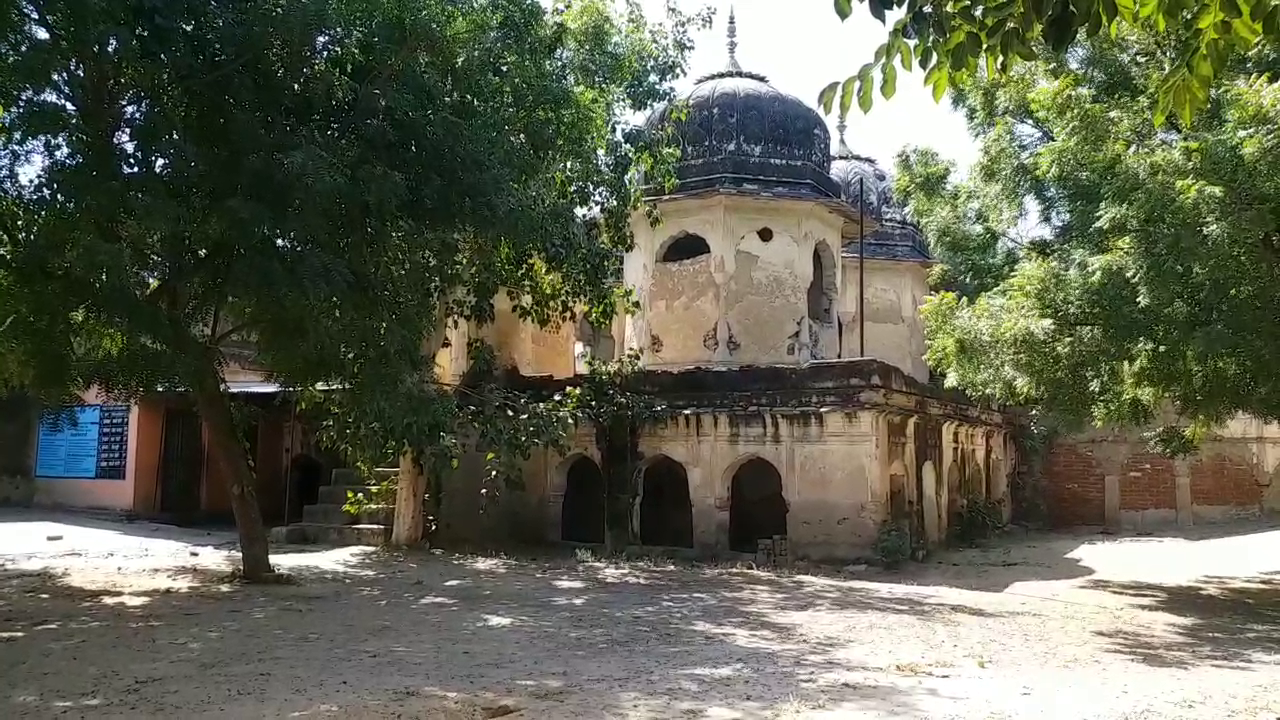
point(757, 508)
point(582, 510)
point(822, 287)
point(685, 246)
point(590, 342)
point(666, 512)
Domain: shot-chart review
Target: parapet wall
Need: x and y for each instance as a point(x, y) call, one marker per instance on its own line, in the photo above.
point(1112, 479)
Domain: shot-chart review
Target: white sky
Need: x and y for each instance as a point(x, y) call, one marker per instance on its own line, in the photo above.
point(801, 45)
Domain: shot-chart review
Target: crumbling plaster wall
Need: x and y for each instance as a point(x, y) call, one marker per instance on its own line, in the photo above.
point(894, 292)
point(837, 468)
point(745, 302)
point(523, 345)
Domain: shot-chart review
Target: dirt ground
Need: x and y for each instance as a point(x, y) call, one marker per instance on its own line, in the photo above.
point(102, 620)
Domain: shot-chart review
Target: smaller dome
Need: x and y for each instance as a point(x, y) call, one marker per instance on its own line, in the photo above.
point(895, 237)
point(850, 170)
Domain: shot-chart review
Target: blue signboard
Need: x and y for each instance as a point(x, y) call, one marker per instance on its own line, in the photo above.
point(68, 444)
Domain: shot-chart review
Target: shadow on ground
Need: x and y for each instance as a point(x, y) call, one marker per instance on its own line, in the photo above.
point(1223, 621)
point(659, 640)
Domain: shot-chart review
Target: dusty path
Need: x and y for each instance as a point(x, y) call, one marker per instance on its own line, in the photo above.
point(129, 621)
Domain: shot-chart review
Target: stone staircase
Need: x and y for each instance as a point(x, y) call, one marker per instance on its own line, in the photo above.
point(326, 523)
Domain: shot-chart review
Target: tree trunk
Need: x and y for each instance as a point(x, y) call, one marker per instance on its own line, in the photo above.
point(229, 458)
point(411, 485)
point(407, 523)
point(615, 445)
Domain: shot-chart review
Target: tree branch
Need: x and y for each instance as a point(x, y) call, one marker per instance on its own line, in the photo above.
point(217, 340)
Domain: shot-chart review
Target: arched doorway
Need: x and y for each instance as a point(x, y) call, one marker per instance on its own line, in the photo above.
point(757, 508)
point(582, 511)
point(666, 512)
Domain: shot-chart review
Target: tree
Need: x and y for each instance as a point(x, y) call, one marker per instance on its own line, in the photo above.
point(951, 40)
point(966, 227)
point(1159, 270)
point(329, 180)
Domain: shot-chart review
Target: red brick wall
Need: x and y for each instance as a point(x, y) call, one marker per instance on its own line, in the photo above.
point(1147, 482)
point(1073, 487)
point(1220, 480)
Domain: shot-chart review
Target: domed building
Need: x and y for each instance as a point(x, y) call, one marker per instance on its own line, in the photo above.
point(778, 325)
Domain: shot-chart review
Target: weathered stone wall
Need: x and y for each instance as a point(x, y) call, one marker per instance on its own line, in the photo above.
point(18, 421)
point(1110, 478)
point(894, 333)
point(842, 474)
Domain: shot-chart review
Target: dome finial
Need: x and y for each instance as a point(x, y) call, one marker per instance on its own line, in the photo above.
point(842, 150)
point(733, 42)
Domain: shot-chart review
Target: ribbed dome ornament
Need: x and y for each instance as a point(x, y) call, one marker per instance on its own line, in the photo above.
point(733, 43)
point(732, 68)
point(842, 150)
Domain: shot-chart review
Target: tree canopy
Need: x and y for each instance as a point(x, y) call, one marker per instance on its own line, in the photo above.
point(952, 40)
point(1155, 273)
point(329, 180)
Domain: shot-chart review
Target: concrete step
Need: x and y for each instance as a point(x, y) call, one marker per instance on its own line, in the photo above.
point(325, 534)
point(337, 494)
point(351, 476)
point(333, 514)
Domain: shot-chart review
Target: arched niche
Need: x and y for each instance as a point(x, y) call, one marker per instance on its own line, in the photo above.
point(757, 506)
point(683, 246)
point(666, 509)
point(821, 297)
point(583, 507)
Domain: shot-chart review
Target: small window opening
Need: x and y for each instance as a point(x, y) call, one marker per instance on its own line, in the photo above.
point(685, 247)
point(765, 234)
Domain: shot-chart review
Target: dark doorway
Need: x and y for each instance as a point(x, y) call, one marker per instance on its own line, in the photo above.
point(757, 509)
point(181, 463)
point(306, 474)
point(582, 511)
point(666, 513)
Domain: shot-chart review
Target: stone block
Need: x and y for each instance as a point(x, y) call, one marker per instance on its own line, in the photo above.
point(324, 534)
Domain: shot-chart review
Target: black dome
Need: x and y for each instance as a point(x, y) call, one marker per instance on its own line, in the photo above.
point(734, 128)
point(850, 170)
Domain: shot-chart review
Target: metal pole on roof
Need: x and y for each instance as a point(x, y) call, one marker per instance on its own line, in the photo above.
point(862, 257)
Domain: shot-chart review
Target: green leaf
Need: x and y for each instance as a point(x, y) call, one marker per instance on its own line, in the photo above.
point(940, 85)
point(846, 95)
point(877, 11)
point(889, 82)
point(844, 8)
point(827, 97)
point(865, 89)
